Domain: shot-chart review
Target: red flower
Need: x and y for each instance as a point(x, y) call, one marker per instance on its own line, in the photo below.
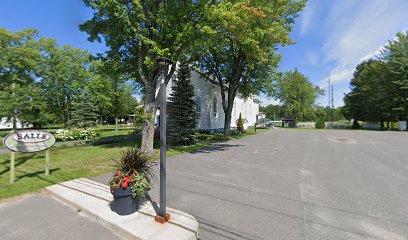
point(124, 184)
point(126, 179)
point(117, 173)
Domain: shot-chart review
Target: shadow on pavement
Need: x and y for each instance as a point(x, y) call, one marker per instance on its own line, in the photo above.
point(217, 147)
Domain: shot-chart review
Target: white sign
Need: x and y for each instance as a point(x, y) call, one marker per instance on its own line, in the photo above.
point(29, 141)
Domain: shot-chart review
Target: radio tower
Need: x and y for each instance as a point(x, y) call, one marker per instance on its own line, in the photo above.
point(329, 115)
point(332, 104)
point(329, 103)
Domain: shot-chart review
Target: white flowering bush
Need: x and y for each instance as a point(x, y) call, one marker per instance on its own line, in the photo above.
point(76, 134)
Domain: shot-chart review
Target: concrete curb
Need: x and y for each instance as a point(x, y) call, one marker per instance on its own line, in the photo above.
point(92, 199)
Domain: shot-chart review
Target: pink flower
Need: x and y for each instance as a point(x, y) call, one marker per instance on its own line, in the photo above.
point(126, 179)
point(124, 184)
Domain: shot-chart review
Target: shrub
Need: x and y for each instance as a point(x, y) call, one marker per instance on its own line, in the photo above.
point(203, 136)
point(320, 123)
point(356, 125)
point(240, 124)
point(219, 137)
point(77, 134)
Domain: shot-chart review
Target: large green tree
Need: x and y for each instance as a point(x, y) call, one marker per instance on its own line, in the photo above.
point(20, 54)
point(395, 55)
point(84, 112)
point(137, 34)
point(297, 94)
point(379, 86)
point(238, 47)
point(118, 95)
point(65, 73)
point(273, 112)
point(369, 98)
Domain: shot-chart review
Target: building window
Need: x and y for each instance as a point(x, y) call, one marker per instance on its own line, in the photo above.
point(214, 108)
point(198, 107)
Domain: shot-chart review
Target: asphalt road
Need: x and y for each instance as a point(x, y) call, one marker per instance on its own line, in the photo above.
point(296, 184)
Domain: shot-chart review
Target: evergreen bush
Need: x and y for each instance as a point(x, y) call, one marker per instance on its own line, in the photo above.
point(240, 124)
point(356, 125)
point(182, 115)
point(320, 123)
point(84, 112)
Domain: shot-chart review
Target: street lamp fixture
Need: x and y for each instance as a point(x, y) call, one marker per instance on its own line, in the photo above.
point(164, 61)
point(163, 216)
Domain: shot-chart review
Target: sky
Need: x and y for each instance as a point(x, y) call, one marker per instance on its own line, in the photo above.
point(332, 36)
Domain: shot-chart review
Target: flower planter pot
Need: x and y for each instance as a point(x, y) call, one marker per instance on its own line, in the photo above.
point(123, 202)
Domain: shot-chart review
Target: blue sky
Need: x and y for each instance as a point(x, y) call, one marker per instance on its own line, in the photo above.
point(332, 36)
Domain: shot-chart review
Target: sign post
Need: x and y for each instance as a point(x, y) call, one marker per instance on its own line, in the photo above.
point(28, 141)
point(12, 162)
point(47, 162)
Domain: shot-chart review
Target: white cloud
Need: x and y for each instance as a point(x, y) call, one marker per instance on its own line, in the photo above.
point(338, 75)
point(307, 16)
point(356, 31)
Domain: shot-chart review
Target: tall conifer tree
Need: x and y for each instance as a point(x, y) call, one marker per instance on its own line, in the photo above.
point(84, 111)
point(182, 115)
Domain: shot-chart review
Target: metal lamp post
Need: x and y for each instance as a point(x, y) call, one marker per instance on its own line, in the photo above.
point(163, 215)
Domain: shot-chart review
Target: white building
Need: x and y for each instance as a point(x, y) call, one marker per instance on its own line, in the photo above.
point(4, 124)
point(209, 106)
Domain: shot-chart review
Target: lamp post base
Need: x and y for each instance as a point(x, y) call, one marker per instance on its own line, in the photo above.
point(161, 219)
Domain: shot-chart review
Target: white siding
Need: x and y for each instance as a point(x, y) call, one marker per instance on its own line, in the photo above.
point(4, 124)
point(207, 92)
point(248, 109)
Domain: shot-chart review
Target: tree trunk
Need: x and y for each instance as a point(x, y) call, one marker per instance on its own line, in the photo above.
point(150, 108)
point(227, 107)
point(14, 123)
point(14, 110)
point(65, 119)
point(116, 124)
point(227, 121)
point(148, 127)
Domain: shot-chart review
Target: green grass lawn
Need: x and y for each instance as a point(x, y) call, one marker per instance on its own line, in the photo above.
point(75, 162)
point(3, 133)
point(106, 132)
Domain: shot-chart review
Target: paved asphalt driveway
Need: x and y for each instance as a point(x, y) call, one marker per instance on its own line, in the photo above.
point(296, 184)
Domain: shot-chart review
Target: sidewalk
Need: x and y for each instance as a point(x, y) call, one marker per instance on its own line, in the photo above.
point(79, 209)
point(40, 217)
point(94, 200)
